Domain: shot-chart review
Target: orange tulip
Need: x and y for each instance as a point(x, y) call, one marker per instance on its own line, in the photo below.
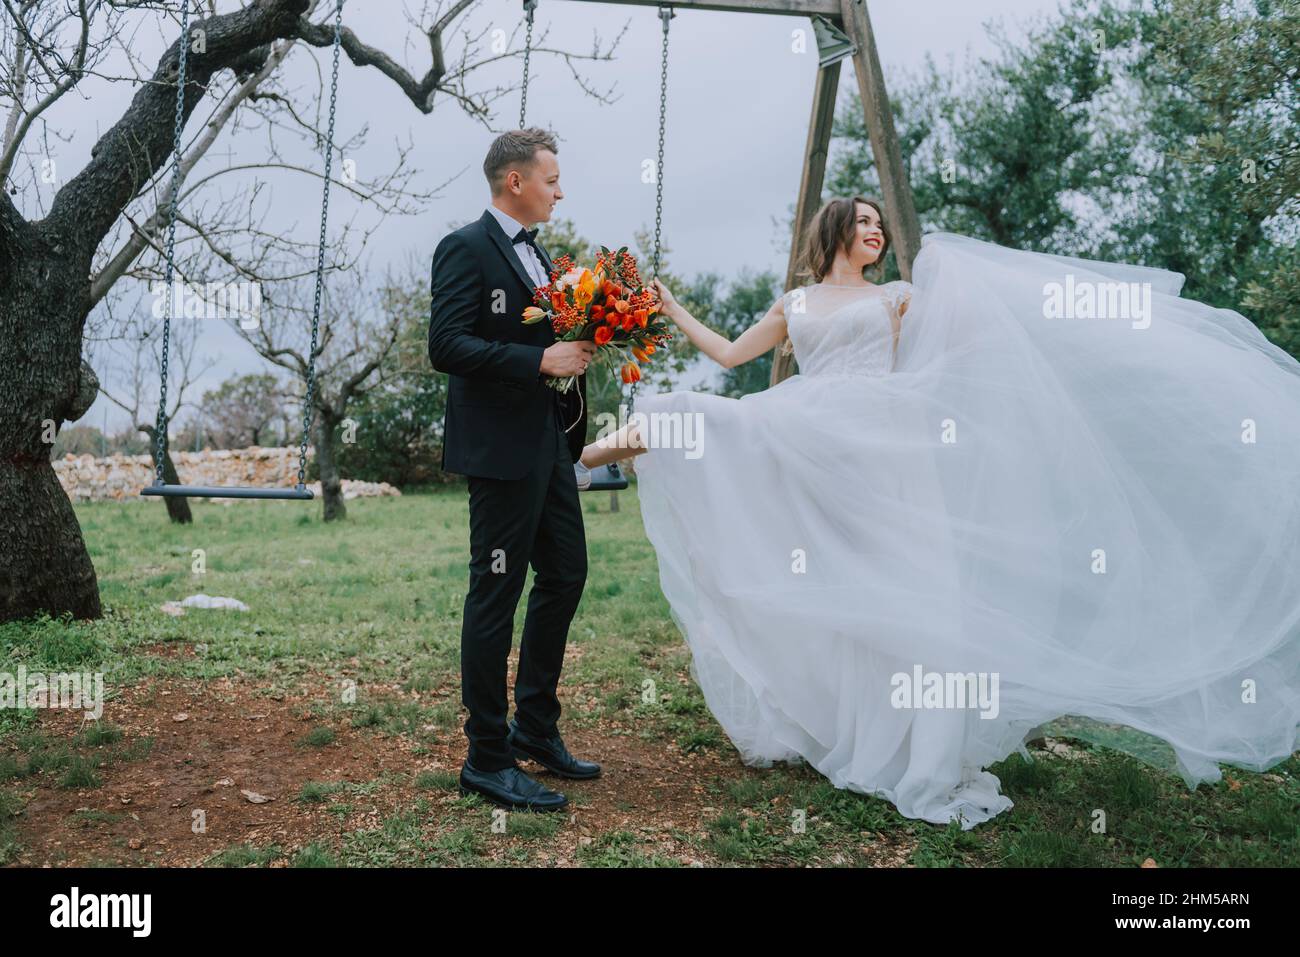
point(603, 335)
point(642, 317)
point(641, 354)
point(534, 314)
point(631, 372)
point(598, 312)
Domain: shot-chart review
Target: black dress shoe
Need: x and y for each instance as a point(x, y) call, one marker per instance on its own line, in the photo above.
point(510, 788)
point(550, 753)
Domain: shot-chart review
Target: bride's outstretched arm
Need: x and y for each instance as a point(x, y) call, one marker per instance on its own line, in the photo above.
point(622, 444)
point(761, 337)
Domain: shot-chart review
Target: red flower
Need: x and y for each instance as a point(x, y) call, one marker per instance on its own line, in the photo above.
point(603, 335)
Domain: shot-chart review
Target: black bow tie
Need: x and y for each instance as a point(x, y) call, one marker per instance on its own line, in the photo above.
point(528, 236)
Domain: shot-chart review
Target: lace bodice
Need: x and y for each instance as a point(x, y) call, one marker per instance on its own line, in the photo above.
point(844, 330)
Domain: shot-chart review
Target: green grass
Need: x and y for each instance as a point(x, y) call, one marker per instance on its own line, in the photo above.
point(368, 611)
point(80, 775)
point(437, 781)
point(245, 855)
point(313, 855)
point(621, 849)
point(317, 792)
point(318, 737)
point(10, 807)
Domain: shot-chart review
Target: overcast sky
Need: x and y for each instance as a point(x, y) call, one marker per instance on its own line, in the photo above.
point(739, 102)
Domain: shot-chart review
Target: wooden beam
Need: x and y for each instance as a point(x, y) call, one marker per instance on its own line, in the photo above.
point(896, 191)
point(810, 190)
point(790, 8)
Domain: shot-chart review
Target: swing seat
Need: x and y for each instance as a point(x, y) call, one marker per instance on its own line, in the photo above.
point(299, 492)
point(607, 478)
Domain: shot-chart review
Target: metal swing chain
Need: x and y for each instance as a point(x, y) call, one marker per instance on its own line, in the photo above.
point(529, 7)
point(160, 424)
point(666, 14)
point(308, 408)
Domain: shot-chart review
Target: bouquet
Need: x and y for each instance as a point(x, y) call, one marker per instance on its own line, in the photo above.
point(608, 305)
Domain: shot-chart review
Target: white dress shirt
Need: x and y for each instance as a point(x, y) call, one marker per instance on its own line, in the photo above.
point(527, 255)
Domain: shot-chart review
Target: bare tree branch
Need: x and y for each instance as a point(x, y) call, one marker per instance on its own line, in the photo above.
point(420, 92)
point(70, 80)
point(135, 148)
point(18, 76)
point(141, 237)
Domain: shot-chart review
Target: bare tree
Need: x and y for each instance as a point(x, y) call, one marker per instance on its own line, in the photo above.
point(58, 260)
point(243, 410)
point(357, 334)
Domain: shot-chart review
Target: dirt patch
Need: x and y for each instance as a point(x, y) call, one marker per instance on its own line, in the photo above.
point(167, 649)
point(210, 742)
point(214, 740)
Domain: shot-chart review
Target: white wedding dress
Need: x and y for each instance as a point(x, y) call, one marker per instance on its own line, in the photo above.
point(1099, 516)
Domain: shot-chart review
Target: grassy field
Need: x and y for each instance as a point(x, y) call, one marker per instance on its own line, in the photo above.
point(323, 726)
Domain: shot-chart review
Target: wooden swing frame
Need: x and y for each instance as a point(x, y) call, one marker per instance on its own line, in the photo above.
point(851, 17)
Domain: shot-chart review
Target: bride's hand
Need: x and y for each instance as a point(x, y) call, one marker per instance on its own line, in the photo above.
point(669, 303)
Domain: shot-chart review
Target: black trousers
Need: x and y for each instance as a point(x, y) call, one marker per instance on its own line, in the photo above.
point(537, 520)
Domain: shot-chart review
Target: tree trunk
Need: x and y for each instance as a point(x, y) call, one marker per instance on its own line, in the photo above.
point(178, 509)
point(44, 565)
point(325, 428)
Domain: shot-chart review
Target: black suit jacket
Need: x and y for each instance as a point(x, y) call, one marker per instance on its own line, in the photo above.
point(497, 398)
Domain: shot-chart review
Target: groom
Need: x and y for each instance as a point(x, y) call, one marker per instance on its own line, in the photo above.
point(506, 430)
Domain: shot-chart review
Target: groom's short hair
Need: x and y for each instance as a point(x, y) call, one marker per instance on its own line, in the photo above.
point(512, 150)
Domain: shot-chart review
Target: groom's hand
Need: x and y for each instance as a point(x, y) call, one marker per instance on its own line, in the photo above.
point(567, 358)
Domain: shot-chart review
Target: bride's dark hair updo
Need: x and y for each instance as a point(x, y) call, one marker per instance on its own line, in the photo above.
point(833, 228)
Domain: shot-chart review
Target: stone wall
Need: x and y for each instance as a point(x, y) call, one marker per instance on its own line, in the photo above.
point(119, 478)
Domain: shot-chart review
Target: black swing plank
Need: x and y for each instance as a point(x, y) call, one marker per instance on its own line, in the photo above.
point(215, 491)
point(607, 478)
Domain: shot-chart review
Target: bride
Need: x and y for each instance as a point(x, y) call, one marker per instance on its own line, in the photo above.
point(1024, 488)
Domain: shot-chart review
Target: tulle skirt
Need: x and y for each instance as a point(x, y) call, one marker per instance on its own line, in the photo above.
point(1037, 516)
